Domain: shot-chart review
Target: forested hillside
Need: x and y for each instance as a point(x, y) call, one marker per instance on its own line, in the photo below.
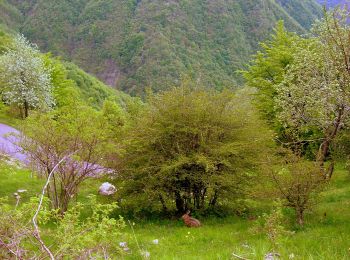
point(70, 80)
point(133, 44)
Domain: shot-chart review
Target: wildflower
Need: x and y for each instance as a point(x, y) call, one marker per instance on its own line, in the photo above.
point(155, 241)
point(146, 254)
point(272, 256)
point(291, 256)
point(123, 244)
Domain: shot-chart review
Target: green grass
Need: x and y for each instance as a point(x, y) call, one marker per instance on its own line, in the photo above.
point(13, 178)
point(219, 239)
point(323, 237)
point(7, 117)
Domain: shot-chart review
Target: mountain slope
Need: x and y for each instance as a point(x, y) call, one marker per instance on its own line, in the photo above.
point(10, 17)
point(72, 80)
point(134, 44)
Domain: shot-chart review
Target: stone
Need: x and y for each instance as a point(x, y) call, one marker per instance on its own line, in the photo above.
point(107, 189)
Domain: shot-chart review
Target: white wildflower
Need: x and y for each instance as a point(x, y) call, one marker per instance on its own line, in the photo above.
point(123, 244)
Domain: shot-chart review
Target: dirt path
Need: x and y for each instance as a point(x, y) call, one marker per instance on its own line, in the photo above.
point(7, 142)
point(8, 146)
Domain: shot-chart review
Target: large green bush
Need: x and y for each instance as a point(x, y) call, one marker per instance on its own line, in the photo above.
point(191, 149)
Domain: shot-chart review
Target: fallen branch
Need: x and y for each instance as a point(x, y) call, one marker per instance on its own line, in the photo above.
point(239, 257)
point(3, 244)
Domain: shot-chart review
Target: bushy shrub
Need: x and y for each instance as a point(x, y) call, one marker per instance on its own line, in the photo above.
point(191, 148)
point(94, 236)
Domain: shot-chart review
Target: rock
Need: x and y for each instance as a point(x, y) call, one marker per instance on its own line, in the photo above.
point(17, 197)
point(107, 189)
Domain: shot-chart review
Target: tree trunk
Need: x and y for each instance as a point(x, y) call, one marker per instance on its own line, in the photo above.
point(300, 216)
point(323, 151)
point(180, 205)
point(330, 171)
point(324, 148)
point(214, 199)
point(196, 197)
point(26, 109)
point(203, 198)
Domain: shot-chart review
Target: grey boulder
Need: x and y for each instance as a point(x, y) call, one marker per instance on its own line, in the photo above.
point(107, 189)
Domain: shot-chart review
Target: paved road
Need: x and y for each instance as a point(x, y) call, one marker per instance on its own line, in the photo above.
point(7, 142)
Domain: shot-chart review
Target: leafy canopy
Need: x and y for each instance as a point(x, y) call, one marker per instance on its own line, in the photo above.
point(190, 148)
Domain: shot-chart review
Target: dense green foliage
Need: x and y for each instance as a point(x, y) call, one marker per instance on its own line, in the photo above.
point(81, 135)
point(70, 83)
point(83, 238)
point(303, 88)
point(139, 44)
point(192, 149)
point(10, 16)
point(187, 146)
point(268, 68)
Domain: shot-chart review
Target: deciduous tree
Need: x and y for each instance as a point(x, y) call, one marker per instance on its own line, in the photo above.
point(314, 93)
point(82, 134)
point(25, 81)
point(297, 183)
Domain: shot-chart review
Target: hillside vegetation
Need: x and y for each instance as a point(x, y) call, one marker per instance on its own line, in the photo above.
point(194, 170)
point(69, 77)
point(138, 44)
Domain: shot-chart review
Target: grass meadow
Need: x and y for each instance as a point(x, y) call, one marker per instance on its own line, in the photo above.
point(326, 234)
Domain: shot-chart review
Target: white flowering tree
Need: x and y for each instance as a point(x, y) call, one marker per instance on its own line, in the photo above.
point(315, 92)
point(25, 82)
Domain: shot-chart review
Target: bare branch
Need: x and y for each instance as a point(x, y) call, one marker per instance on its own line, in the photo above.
point(239, 257)
point(34, 220)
